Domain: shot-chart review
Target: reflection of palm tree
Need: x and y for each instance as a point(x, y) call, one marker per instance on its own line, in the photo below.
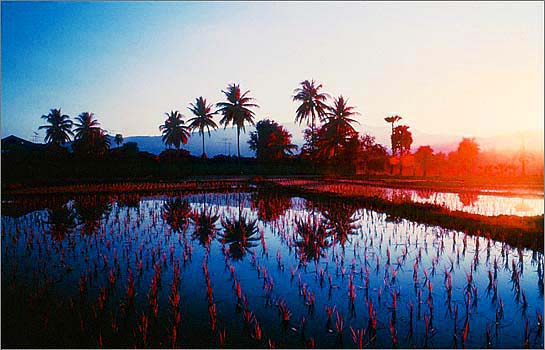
point(175, 133)
point(205, 226)
point(61, 219)
point(89, 212)
point(176, 213)
point(236, 110)
point(339, 221)
point(313, 239)
point(203, 119)
point(270, 205)
point(240, 233)
point(59, 130)
point(468, 198)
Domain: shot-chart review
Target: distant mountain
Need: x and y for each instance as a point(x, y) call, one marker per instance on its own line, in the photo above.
point(223, 140)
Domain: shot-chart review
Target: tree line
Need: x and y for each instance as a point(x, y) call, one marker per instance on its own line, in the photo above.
point(330, 139)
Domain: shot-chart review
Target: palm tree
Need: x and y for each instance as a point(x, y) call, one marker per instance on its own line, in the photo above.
point(86, 126)
point(118, 139)
point(174, 131)
point(312, 105)
point(59, 129)
point(236, 110)
point(338, 127)
point(89, 137)
point(392, 120)
point(203, 118)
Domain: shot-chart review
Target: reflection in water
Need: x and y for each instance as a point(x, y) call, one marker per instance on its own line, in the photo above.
point(468, 198)
point(61, 220)
point(240, 233)
point(204, 221)
point(339, 220)
point(430, 286)
point(176, 213)
point(270, 204)
point(90, 210)
point(312, 239)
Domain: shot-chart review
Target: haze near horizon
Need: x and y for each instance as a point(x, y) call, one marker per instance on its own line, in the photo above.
point(472, 69)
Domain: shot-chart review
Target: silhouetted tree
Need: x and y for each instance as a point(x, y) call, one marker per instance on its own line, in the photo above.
point(312, 106)
point(59, 129)
point(236, 110)
point(175, 133)
point(271, 141)
point(393, 119)
point(402, 141)
point(467, 153)
point(90, 139)
point(118, 139)
point(423, 157)
point(338, 128)
point(372, 156)
point(203, 119)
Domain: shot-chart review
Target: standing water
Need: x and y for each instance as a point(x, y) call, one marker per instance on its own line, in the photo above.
point(256, 270)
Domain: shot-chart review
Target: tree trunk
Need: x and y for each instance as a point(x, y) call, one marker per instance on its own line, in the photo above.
point(238, 148)
point(312, 149)
point(203, 153)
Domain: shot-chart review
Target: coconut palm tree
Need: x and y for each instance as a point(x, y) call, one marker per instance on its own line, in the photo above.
point(90, 138)
point(338, 127)
point(312, 105)
point(174, 131)
point(59, 130)
point(118, 139)
point(393, 119)
point(86, 126)
point(236, 110)
point(203, 118)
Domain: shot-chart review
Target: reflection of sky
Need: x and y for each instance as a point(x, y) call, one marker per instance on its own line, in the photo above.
point(528, 203)
point(485, 204)
point(129, 229)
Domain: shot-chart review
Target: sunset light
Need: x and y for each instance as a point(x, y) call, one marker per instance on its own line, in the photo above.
point(250, 175)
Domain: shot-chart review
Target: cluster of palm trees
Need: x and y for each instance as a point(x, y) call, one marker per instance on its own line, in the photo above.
point(236, 110)
point(89, 138)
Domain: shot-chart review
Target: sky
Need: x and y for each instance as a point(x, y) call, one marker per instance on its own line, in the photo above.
point(467, 68)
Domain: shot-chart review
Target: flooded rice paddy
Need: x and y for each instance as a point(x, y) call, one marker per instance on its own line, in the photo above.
point(256, 269)
point(518, 202)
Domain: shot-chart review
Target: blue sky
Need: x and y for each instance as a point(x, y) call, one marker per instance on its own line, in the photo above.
point(460, 68)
